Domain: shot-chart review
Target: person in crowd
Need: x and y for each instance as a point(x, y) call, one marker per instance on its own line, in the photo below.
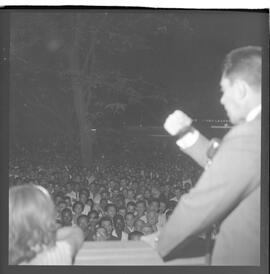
point(93, 218)
point(140, 209)
point(83, 223)
point(100, 234)
point(154, 204)
point(119, 201)
point(129, 218)
point(106, 222)
point(131, 207)
point(122, 211)
point(70, 191)
point(228, 192)
point(152, 219)
point(162, 212)
point(77, 211)
point(57, 198)
point(92, 190)
point(68, 201)
point(83, 197)
point(102, 206)
point(90, 203)
point(177, 194)
point(119, 226)
point(155, 192)
point(59, 208)
point(135, 236)
point(76, 188)
point(33, 235)
point(97, 195)
point(130, 196)
point(105, 195)
point(147, 229)
point(61, 174)
point(138, 225)
point(111, 210)
point(66, 217)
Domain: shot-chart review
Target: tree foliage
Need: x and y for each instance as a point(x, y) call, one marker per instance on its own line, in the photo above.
point(70, 69)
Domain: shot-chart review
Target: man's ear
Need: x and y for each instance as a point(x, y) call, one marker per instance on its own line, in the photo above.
point(241, 89)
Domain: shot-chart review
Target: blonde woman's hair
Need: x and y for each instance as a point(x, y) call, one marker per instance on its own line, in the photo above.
point(31, 222)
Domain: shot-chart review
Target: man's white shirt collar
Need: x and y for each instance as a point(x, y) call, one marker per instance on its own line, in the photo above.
point(254, 113)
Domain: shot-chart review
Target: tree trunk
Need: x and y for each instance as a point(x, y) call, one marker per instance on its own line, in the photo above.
point(81, 106)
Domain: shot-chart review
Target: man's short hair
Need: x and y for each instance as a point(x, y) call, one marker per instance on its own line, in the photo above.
point(82, 216)
point(244, 63)
point(77, 203)
point(131, 204)
point(104, 219)
point(141, 202)
point(110, 205)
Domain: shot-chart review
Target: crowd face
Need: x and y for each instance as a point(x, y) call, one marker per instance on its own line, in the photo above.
point(140, 208)
point(152, 217)
point(66, 217)
point(119, 202)
point(131, 208)
point(162, 207)
point(119, 224)
point(61, 205)
point(101, 234)
point(147, 230)
point(78, 208)
point(82, 222)
point(108, 226)
point(154, 205)
point(90, 203)
point(111, 211)
point(83, 198)
point(68, 201)
point(130, 194)
point(138, 225)
point(58, 199)
point(122, 211)
point(130, 220)
point(93, 218)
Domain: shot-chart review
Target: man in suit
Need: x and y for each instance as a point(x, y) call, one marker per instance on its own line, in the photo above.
point(228, 192)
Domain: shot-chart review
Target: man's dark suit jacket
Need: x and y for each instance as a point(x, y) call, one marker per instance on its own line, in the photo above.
point(227, 192)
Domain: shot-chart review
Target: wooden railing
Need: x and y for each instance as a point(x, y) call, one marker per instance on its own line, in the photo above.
point(126, 253)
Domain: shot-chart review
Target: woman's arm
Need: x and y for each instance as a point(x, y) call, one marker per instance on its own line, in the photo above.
point(73, 235)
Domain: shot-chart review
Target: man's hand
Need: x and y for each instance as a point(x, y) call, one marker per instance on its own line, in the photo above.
point(151, 239)
point(176, 122)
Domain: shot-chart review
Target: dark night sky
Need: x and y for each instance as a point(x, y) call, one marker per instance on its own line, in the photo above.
point(186, 64)
point(189, 66)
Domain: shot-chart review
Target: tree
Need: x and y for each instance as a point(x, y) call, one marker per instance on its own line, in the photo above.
point(83, 52)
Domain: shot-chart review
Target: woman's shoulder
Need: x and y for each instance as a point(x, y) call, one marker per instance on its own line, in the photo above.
point(60, 254)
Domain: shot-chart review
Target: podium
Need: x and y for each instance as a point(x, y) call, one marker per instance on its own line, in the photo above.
point(126, 253)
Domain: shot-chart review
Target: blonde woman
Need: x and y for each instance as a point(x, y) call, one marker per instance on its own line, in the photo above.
point(33, 235)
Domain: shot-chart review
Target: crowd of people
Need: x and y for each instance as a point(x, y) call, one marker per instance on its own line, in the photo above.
point(136, 188)
point(118, 197)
